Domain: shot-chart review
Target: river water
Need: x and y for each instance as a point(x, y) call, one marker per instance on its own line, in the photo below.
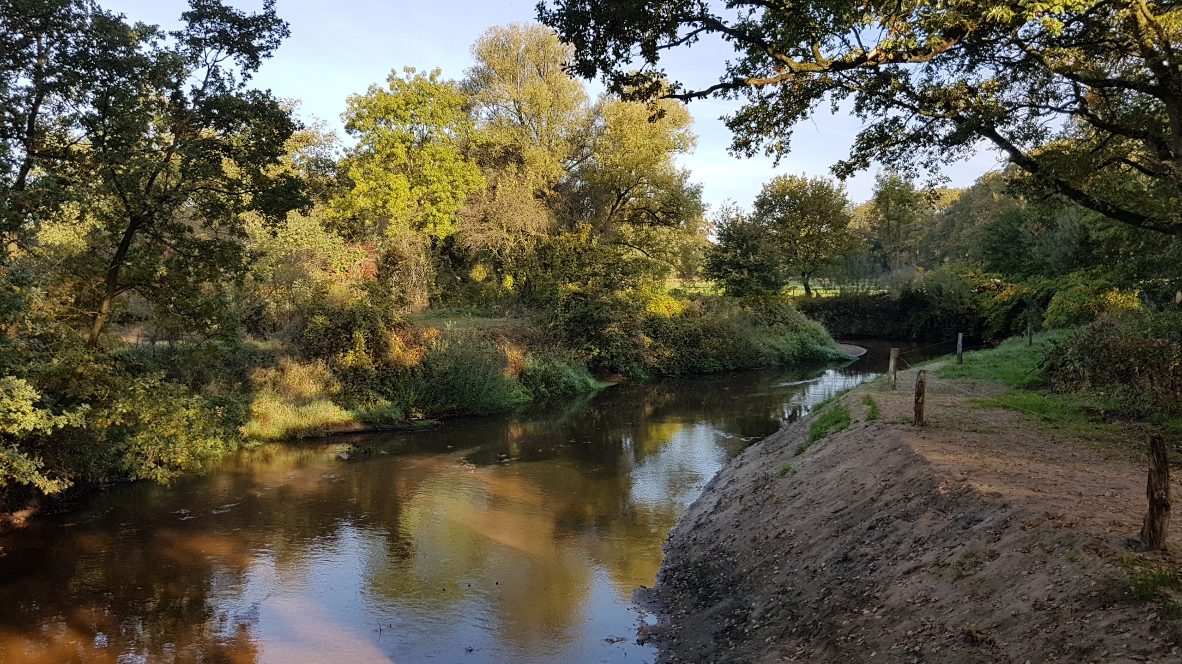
point(506, 539)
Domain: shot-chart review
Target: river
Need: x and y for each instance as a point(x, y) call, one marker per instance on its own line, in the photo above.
point(504, 539)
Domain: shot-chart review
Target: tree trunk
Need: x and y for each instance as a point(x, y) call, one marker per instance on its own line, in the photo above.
point(111, 289)
point(1155, 529)
point(808, 291)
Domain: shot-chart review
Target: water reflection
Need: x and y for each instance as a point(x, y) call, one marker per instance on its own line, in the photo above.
point(514, 539)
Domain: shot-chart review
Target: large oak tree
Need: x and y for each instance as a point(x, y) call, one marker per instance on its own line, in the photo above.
point(1083, 95)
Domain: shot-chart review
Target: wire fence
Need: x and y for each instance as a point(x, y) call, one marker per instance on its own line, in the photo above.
point(932, 379)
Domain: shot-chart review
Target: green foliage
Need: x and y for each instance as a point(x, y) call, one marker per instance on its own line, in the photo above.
point(356, 334)
point(136, 426)
point(896, 211)
point(546, 376)
point(872, 411)
point(21, 418)
point(529, 105)
point(298, 263)
point(787, 469)
point(829, 420)
point(619, 335)
point(1134, 360)
point(1023, 78)
point(741, 259)
point(1082, 300)
point(799, 226)
point(409, 169)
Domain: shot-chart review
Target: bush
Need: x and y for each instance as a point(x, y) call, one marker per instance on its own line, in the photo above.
point(648, 335)
point(604, 329)
point(1082, 300)
point(357, 333)
point(549, 376)
point(128, 425)
point(463, 375)
point(1134, 359)
point(718, 334)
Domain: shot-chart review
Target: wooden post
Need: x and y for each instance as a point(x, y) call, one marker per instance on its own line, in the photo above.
point(893, 371)
point(1157, 520)
point(1029, 334)
point(921, 386)
point(960, 347)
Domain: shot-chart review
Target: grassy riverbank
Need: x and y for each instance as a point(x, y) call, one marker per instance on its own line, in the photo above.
point(998, 532)
point(456, 363)
point(355, 367)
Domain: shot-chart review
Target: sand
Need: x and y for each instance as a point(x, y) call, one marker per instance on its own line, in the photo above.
point(987, 536)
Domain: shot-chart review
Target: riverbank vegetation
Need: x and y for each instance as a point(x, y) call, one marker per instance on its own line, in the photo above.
point(187, 266)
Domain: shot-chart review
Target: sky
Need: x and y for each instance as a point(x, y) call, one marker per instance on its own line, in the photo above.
point(341, 47)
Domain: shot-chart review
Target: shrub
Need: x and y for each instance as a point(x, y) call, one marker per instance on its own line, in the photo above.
point(293, 400)
point(461, 375)
point(1134, 359)
point(604, 329)
point(1082, 300)
point(128, 426)
point(356, 333)
point(548, 376)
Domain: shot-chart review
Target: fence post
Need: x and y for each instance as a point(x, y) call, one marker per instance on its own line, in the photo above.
point(1029, 334)
point(893, 371)
point(921, 386)
point(1157, 520)
point(960, 347)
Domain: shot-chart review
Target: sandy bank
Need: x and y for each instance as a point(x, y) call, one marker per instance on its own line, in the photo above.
point(985, 537)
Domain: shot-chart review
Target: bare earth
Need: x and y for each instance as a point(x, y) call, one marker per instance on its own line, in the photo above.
point(987, 536)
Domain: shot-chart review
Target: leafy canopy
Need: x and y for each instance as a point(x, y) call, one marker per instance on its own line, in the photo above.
point(1084, 95)
point(409, 169)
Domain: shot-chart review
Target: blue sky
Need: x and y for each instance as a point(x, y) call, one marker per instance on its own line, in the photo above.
point(340, 48)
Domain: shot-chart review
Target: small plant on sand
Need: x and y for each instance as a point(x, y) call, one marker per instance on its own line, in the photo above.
point(1155, 583)
point(787, 469)
point(831, 420)
point(972, 562)
point(872, 412)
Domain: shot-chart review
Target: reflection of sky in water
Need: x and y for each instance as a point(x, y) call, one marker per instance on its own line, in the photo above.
point(512, 539)
point(678, 472)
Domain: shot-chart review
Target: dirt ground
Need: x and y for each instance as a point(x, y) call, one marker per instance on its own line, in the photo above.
point(987, 536)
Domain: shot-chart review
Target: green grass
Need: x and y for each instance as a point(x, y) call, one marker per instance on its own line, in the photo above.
point(1013, 363)
point(1047, 407)
point(787, 469)
point(1155, 583)
point(872, 412)
point(831, 420)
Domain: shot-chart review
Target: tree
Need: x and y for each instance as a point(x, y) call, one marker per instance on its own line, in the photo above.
point(741, 259)
point(46, 47)
point(154, 137)
point(898, 208)
point(1085, 97)
point(533, 121)
point(630, 176)
point(807, 222)
point(409, 169)
point(526, 101)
